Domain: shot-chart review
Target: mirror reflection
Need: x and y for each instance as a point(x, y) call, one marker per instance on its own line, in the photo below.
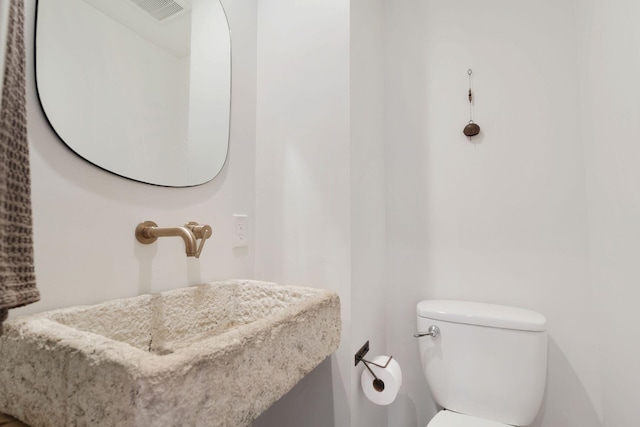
point(140, 88)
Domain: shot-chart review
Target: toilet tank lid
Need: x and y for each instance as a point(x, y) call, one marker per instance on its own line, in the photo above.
point(482, 314)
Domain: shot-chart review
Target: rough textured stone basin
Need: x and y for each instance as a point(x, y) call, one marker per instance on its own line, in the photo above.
point(210, 355)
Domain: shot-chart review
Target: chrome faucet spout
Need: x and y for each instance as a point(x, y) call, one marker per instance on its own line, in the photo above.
point(148, 232)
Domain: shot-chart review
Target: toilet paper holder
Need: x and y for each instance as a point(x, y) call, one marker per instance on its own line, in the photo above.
point(378, 384)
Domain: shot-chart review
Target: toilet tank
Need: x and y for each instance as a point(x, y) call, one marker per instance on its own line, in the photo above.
point(488, 361)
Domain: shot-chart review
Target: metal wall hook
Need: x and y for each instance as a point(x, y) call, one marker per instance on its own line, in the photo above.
point(433, 331)
point(378, 384)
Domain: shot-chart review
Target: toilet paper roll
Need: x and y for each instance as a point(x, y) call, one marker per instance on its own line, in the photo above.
point(391, 376)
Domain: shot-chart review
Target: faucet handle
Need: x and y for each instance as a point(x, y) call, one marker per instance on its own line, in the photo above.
point(202, 232)
point(206, 233)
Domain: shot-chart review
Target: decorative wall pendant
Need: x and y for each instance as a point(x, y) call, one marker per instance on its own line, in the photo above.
point(472, 129)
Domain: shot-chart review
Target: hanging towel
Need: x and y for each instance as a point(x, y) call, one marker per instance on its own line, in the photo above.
point(17, 277)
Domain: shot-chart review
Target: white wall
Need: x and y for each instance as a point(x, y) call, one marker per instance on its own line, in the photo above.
point(320, 186)
point(302, 181)
point(84, 218)
point(368, 212)
point(609, 66)
point(500, 219)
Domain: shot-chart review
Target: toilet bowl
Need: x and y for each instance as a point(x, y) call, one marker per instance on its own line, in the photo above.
point(485, 364)
point(453, 419)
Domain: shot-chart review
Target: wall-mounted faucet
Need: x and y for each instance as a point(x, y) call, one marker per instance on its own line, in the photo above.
point(148, 232)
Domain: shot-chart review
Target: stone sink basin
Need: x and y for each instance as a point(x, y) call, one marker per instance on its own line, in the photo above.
point(212, 355)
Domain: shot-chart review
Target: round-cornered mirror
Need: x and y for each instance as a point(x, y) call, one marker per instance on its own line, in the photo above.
point(140, 88)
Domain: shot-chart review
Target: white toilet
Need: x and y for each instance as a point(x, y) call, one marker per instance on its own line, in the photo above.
point(485, 364)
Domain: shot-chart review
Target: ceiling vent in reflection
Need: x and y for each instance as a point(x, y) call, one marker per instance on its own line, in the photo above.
point(161, 10)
